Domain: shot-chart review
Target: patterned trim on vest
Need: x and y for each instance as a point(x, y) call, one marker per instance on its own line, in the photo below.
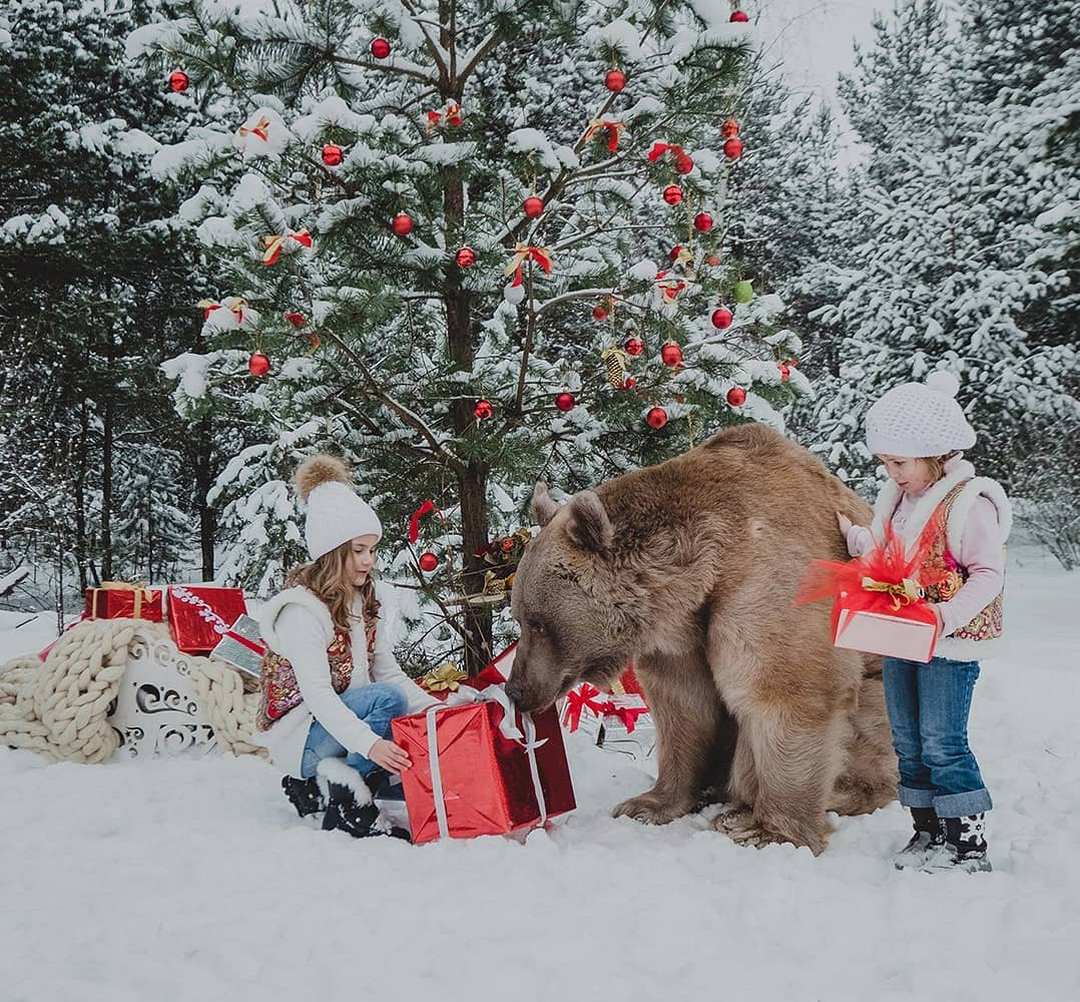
point(942, 576)
point(280, 691)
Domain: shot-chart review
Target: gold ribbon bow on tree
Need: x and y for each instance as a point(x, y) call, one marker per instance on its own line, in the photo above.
point(261, 130)
point(275, 243)
point(612, 127)
point(523, 253)
point(903, 593)
point(444, 678)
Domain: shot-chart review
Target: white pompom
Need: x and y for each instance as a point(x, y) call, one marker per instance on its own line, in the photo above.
point(943, 382)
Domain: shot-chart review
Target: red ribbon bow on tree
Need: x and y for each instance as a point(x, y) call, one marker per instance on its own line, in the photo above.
point(523, 253)
point(659, 149)
point(452, 115)
point(669, 287)
point(275, 243)
point(426, 508)
point(260, 129)
point(612, 127)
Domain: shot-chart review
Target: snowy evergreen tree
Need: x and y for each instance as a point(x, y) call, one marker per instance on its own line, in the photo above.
point(443, 230)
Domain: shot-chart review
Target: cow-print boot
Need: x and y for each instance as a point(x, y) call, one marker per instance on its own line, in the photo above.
point(965, 846)
point(350, 807)
point(304, 795)
point(928, 839)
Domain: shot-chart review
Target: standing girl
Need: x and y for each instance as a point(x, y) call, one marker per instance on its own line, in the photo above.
point(918, 431)
point(330, 682)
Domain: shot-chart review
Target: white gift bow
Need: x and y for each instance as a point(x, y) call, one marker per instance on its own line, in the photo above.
point(508, 728)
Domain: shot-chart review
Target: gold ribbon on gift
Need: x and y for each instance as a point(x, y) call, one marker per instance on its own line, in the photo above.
point(444, 678)
point(903, 593)
point(139, 588)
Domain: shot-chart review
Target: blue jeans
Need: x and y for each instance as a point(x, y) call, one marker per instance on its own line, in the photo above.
point(928, 708)
point(376, 705)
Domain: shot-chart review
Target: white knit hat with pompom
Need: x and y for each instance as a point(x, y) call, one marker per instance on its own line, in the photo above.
point(919, 420)
point(335, 512)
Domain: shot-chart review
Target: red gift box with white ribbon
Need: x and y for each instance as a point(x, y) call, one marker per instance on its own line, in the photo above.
point(200, 615)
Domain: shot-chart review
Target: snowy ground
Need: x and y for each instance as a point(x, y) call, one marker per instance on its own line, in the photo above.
point(166, 880)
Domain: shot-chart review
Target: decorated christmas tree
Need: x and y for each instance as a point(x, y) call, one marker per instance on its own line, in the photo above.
point(468, 244)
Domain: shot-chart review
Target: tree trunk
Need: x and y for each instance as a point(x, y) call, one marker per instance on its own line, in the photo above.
point(204, 480)
point(107, 477)
point(79, 491)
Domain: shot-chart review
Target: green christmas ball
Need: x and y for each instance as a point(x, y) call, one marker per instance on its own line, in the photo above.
point(744, 291)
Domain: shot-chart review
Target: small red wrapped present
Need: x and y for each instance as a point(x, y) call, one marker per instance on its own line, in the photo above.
point(483, 768)
point(124, 600)
point(200, 615)
point(878, 604)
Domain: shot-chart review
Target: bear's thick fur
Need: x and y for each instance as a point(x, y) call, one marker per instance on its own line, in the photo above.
point(690, 569)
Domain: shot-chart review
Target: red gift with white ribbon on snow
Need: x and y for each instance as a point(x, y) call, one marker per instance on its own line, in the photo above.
point(200, 615)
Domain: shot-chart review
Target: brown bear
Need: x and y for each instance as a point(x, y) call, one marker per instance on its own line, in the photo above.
point(690, 570)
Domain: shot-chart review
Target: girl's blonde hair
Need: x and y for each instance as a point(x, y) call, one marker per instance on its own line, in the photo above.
point(329, 579)
point(935, 465)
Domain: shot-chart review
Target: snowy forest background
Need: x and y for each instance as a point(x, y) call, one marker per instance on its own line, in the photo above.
point(952, 240)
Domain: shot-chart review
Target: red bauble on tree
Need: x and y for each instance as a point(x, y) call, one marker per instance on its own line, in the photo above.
point(713, 260)
point(785, 371)
point(565, 402)
point(332, 155)
point(259, 363)
point(684, 164)
point(600, 312)
point(703, 222)
point(729, 128)
point(736, 396)
point(533, 206)
point(402, 224)
point(298, 320)
point(483, 410)
point(178, 81)
point(656, 418)
point(506, 545)
point(673, 254)
point(615, 80)
point(722, 317)
point(380, 48)
point(673, 194)
point(634, 346)
point(465, 258)
point(428, 562)
point(630, 383)
point(739, 17)
point(733, 148)
point(671, 354)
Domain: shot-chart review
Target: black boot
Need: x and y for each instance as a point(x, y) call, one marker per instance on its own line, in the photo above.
point(928, 839)
point(304, 795)
point(350, 807)
point(965, 846)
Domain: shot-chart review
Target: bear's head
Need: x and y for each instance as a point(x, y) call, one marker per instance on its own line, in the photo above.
point(579, 618)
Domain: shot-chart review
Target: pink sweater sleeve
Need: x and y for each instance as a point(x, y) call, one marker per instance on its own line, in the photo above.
point(982, 554)
point(859, 540)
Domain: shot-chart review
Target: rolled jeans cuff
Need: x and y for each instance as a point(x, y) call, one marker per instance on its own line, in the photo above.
point(911, 797)
point(959, 805)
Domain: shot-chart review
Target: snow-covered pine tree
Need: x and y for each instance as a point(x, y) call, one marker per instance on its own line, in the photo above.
point(467, 233)
point(924, 271)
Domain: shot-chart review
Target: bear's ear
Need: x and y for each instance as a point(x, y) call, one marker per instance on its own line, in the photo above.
point(544, 508)
point(589, 525)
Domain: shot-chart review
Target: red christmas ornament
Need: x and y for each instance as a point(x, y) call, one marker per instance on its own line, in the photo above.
point(630, 383)
point(713, 260)
point(729, 128)
point(402, 224)
point(634, 346)
point(178, 81)
point(506, 545)
point(332, 155)
point(296, 319)
point(722, 317)
point(533, 206)
point(380, 48)
point(673, 254)
point(428, 562)
point(565, 402)
point(703, 222)
point(736, 396)
point(259, 363)
point(599, 312)
point(673, 194)
point(656, 418)
point(785, 371)
point(684, 164)
point(615, 80)
point(483, 410)
point(739, 17)
point(733, 148)
point(465, 258)
point(671, 354)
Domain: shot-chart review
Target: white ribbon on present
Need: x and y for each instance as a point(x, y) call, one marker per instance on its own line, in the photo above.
point(508, 728)
point(202, 607)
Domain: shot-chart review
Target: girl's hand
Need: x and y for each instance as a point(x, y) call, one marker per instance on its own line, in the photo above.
point(390, 756)
point(844, 522)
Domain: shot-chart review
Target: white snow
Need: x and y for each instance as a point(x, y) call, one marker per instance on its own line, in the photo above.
point(186, 879)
